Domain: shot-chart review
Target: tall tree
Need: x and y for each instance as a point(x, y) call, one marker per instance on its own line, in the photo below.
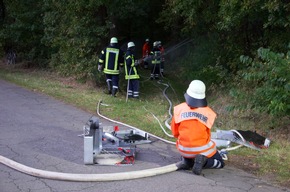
point(242, 26)
point(2, 10)
point(23, 28)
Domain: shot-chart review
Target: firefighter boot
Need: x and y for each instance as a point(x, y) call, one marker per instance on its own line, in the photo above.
point(199, 162)
point(114, 92)
point(109, 83)
point(184, 164)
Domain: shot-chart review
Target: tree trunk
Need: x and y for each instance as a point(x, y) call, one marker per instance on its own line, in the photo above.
point(2, 11)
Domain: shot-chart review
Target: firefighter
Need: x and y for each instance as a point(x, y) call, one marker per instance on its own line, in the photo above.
point(145, 53)
point(156, 60)
point(191, 125)
point(161, 48)
point(131, 73)
point(110, 60)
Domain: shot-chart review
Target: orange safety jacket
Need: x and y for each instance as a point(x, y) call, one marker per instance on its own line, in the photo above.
point(145, 50)
point(191, 127)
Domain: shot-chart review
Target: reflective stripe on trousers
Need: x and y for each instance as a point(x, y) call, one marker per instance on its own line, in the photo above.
point(191, 152)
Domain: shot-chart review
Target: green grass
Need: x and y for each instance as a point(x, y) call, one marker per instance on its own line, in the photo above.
point(271, 164)
point(138, 113)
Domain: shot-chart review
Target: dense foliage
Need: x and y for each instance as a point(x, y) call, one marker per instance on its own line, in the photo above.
point(67, 36)
point(266, 84)
point(70, 34)
point(22, 29)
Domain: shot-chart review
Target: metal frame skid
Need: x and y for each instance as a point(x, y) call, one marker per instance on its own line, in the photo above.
point(109, 145)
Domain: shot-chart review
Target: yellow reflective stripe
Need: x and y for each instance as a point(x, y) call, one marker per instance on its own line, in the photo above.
point(196, 149)
point(206, 153)
point(156, 62)
point(132, 77)
point(187, 155)
point(135, 71)
point(112, 72)
point(114, 51)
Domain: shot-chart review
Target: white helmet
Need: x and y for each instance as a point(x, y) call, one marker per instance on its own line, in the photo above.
point(155, 44)
point(114, 40)
point(131, 44)
point(147, 40)
point(195, 94)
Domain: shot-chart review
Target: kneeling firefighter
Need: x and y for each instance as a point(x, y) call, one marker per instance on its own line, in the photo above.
point(191, 124)
point(131, 73)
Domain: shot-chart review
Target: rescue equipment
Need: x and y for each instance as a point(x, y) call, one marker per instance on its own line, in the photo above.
point(245, 138)
point(111, 146)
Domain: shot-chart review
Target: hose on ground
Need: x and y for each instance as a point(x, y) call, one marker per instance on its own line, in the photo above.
point(91, 177)
point(87, 177)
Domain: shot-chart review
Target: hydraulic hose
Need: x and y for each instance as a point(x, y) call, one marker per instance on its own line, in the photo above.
point(170, 104)
point(104, 117)
point(87, 177)
point(169, 135)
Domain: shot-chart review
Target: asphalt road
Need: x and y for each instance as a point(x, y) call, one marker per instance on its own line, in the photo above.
point(41, 132)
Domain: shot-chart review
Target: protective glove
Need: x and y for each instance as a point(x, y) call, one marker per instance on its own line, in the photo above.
point(100, 68)
point(136, 63)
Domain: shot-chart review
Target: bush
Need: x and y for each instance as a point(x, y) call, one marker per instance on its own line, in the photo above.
point(202, 61)
point(264, 83)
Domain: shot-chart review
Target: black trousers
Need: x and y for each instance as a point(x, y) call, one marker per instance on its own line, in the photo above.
point(214, 162)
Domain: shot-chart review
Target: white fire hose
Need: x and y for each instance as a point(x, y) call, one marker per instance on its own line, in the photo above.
point(91, 177)
point(87, 177)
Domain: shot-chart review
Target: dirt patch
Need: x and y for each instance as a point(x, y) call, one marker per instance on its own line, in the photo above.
point(247, 164)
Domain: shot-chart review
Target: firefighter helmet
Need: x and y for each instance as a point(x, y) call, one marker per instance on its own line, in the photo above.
point(195, 94)
point(114, 40)
point(131, 44)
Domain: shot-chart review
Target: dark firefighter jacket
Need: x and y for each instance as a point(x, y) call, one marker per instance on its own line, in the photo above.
point(111, 58)
point(156, 56)
point(130, 68)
